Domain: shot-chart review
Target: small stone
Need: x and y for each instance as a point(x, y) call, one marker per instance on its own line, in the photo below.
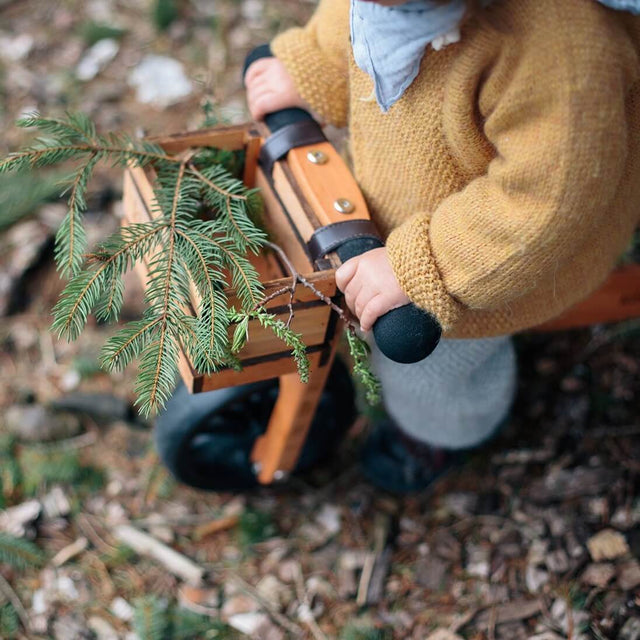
point(122, 609)
point(248, 623)
point(629, 577)
point(160, 81)
point(16, 48)
point(97, 59)
point(478, 561)
point(330, 518)
point(598, 575)
point(607, 545)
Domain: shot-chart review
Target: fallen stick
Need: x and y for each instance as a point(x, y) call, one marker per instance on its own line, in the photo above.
point(146, 545)
point(70, 551)
point(12, 597)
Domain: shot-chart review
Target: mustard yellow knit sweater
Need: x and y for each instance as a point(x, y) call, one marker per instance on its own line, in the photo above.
point(507, 178)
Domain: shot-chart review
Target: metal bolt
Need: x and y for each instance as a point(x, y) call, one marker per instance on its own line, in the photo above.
point(342, 205)
point(257, 468)
point(317, 157)
point(280, 475)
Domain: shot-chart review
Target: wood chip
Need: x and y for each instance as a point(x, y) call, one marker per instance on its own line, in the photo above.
point(629, 577)
point(215, 526)
point(598, 575)
point(607, 545)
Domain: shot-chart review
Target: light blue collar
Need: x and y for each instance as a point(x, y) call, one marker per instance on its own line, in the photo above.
point(633, 6)
point(389, 42)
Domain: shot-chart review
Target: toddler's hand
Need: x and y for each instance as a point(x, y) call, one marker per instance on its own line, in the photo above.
point(370, 287)
point(270, 88)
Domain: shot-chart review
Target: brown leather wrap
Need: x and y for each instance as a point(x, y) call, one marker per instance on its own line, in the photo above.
point(329, 238)
point(291, 136)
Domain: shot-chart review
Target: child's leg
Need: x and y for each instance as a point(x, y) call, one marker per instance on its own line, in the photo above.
point(455, 398)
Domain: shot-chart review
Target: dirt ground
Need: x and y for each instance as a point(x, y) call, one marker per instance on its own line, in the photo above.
point(536, 535)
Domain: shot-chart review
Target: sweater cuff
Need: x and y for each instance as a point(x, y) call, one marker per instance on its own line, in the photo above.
point(320, 84)
point(412, 261)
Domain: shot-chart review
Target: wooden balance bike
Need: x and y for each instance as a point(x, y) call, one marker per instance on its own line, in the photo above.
point(258, 425)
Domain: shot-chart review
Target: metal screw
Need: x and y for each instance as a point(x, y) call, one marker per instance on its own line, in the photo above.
point(342, 205)
point(317, 157)
point(257, 468)
point(280, 475)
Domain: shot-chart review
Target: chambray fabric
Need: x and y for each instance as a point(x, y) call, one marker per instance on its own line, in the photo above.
point(633, 6)
point(457, 397)
point(389, 42)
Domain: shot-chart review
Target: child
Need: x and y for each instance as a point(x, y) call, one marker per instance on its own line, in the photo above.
point(498, 149)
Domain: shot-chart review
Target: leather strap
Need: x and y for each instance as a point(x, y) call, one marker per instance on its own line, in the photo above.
point(327, 239)
point(297, 134)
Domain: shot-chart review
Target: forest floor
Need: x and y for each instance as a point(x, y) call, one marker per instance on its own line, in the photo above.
point(537, 535)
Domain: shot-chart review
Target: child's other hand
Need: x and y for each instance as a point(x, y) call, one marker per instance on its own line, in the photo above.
point(370, 287)
point(270, 88)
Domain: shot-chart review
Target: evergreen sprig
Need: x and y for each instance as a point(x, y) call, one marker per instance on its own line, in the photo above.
point(190, 261)
point(360, 354)
point(18, 553)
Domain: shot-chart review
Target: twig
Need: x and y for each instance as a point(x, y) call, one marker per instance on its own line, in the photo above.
point(305, 606)
point(300, 278)
point(85, 525)
point(176, 563)
point(271, 296)
point(77, 442)
point(277, 617)
point(70, 551)
point(13, 598)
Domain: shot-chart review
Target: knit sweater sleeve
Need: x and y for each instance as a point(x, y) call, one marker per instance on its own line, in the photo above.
point(554, 109)
point(316, 56)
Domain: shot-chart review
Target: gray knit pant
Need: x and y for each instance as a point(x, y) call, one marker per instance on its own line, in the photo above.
point(455, 398)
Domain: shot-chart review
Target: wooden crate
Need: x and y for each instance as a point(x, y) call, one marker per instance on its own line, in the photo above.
point(264, 356)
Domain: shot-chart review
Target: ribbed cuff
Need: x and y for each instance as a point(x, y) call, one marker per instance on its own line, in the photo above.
point(409, 252)
point(319, 84)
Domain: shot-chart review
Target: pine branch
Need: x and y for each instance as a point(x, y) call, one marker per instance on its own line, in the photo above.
point(18, 553)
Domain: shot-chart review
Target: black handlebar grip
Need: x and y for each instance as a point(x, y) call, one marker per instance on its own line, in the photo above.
point(407, 334)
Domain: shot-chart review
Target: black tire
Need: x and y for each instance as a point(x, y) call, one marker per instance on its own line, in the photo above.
point(206, 439)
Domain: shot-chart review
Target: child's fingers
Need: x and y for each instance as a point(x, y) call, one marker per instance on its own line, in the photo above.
point(256, 69)
point(374, 308)
point(345, 273)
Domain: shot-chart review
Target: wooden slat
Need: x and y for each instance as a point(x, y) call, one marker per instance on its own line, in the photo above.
point(254, 373)
point(252, 152)
point(279, 448)
point(231, 138)
point(279, 226)
point(618, 299)
point(322, 184)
